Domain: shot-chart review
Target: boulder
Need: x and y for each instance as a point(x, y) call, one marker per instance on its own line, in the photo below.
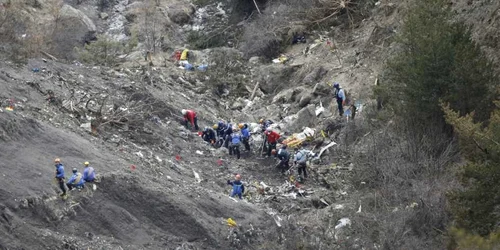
point(306, 117)
point(322, 88)
point(255, 60)
point(272, 77)
point(180, 13)
point(315, 75)
point(74, 30)
point(305, 99)
point(287, 95)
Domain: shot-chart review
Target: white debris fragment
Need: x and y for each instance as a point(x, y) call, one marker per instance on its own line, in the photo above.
point(325, 148)
point(86, 126)
point(158, 159)
point(342, 223)
point(197, 176)
point(139, 154)
point(199, 152)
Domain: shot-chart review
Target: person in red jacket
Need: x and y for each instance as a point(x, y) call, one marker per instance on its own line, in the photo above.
point(272, 140)
point(190, 118)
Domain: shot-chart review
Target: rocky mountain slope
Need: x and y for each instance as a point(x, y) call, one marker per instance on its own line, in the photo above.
point(161, 186)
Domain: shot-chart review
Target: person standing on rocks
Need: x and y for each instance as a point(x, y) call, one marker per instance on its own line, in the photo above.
point(300, 160)
point(245, 135)
point(190, 118)
point(264, 124)
point(60, 175)
point(272, 140)
point(228, 130)
point(238, 187)
point(234, 147)
point(340, 96)
point(76, 180)
point(88, 173)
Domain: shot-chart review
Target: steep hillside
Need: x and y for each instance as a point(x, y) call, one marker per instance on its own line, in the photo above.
point(161, 186)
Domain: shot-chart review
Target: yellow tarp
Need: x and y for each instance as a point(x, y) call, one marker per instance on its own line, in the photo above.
point(184, 55)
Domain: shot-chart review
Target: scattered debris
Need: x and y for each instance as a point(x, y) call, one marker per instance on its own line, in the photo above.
point(342, 223)
point(197, 177)
point(231, 222)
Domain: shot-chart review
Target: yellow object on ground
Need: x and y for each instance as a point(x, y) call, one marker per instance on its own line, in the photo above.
point(231, 222)
point(9, 109)
point(184, 55)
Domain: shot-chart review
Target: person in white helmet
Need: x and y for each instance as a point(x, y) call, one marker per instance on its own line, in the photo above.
point(190, 119)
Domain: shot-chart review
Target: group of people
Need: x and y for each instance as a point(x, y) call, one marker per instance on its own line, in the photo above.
point(223, 134)
point(77, 179)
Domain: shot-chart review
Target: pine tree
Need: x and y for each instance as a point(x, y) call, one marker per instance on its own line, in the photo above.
point(477, 205)
point(437, 61)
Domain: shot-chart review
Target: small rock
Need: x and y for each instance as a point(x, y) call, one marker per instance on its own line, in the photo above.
point(103, 15)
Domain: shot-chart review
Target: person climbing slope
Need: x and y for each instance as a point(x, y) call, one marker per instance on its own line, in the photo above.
point(284, 157)
point(234, 146)
point(190, 118)
point(264, 124)
point(245, 136)
point(238, 187)
point(88, 173)
point(228, 130)
point(60, 175)
point(272, 139)
point(301, 157)
point(340, 96)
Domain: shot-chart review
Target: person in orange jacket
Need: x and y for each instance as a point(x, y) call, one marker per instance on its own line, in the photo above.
point(190, 118)
point(272, 140)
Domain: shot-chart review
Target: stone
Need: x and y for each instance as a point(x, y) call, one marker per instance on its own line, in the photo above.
point(321, 88)
point(305, 99)
point(306, 117)
point(180, 14)
point(315, 75)
point(103, 15)
point(75, 28)
point(255, 60)
point(272, 76)
point(287, 95)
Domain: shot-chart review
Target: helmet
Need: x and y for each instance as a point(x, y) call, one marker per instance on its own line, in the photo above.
point(184, 112)
point(268, 129)
point(237, 177)
point(215, 126)
point(261, 121)
point(241, 125)
point(273, 152)
point(336, 85)
point(57, 160)
point(205, 129)
point(75, 170)
point(283, 146)
point(86, 163)
point(221, 123)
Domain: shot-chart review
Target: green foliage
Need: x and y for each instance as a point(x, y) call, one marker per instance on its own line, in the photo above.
point(222, 62)
point(105, 51)
point(467, 241)
point(437, 61)
point(477, 206)
point(199, 40)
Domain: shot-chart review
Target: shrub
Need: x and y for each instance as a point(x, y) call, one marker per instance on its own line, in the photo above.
point(104, 51)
